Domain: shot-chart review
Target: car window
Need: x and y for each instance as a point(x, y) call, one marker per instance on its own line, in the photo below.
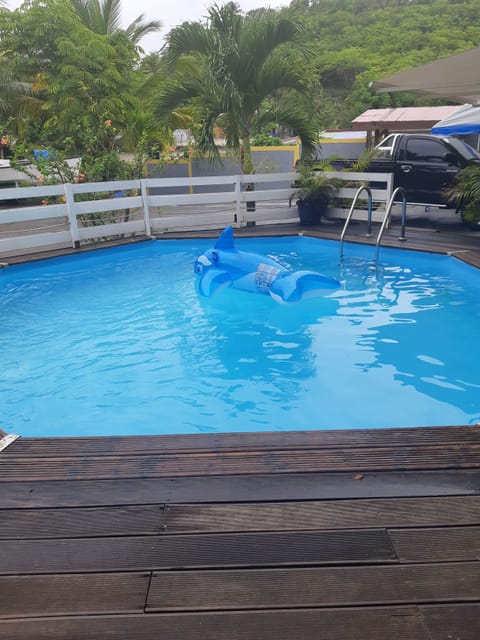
point(385, 148)
point(424, 150)
point(464, 149)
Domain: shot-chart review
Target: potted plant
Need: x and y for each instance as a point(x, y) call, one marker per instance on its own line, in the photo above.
point(314, 192)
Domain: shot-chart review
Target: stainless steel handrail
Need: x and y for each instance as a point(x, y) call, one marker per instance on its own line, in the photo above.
point(386, 219)
point(350, 213)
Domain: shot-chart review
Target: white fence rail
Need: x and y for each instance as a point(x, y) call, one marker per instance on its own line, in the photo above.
point(34, 218)
point(353, 181)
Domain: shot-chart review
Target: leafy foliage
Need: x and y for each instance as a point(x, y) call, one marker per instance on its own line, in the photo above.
point(266, 140)
point(78, 78)
point(313, 185)
point(467, 193)
point(67, 66)
point(99, 162)
point(353, 42)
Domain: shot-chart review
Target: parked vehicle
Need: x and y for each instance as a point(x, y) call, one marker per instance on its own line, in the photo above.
point(424, 165)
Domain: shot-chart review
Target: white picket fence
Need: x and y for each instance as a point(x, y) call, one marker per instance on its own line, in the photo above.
point(353, 181)
point(74, 214)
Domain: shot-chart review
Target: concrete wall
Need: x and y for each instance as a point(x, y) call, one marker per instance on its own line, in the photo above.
point(265, 159)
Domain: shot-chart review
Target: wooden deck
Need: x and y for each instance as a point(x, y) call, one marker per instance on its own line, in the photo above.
point(333, 535)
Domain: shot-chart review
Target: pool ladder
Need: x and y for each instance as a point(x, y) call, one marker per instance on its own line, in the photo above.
point(385, 221)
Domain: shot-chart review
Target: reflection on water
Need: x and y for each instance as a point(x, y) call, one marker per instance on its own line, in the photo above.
point(119, 342)
point(419, 325)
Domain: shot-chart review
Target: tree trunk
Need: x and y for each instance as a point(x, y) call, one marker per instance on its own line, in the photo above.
point(246, 156)
point(247, 167)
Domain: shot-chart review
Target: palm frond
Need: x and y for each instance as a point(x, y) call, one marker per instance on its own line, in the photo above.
point(104, 17)
point(263, 34)
point(138, 29)
point(467, 185)
point(187, 38)
point(111, 12)
point(274, 77)
point(288, 115)
point(173, 95)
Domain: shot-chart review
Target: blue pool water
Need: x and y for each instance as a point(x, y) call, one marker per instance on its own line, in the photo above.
point(117, 341)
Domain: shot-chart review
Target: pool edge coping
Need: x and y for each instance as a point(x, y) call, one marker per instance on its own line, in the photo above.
point(465, 254)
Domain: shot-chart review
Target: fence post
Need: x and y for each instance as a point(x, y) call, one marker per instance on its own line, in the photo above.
point(238, 208)
point(72, 217)
point(146, 209)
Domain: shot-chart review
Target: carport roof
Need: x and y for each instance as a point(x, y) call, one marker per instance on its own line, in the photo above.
point(402, 118)
point(455, 78)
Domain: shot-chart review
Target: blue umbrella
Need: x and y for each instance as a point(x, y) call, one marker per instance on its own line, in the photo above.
point(461, 123)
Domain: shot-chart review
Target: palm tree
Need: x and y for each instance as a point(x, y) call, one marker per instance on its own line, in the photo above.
point(235, 69)
point(11, 90)
point(104, 17)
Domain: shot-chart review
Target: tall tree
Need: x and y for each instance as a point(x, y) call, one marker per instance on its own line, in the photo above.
point(79, 78)
point(12, 89)
point(234, 69)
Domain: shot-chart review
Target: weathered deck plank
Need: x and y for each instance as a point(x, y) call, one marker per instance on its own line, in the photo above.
point(375, 623)
point(86, 522)
point(69, 594)
point(235, 488)
point(160, 519)
point(256, 441)
point(334, 514)
point(436, 544)
point(319, 587)
point(18, 469)
point(449, 622)
point(180, 552)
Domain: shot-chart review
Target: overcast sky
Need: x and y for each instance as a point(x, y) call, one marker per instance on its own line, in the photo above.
point(173, 12)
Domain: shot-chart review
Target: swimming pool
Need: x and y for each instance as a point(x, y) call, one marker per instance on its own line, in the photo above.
point(118, 342)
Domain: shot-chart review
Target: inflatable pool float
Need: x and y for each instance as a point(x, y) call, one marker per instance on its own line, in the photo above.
point(224, 266)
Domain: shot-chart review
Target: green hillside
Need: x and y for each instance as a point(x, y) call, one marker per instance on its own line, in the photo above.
point(355, 41)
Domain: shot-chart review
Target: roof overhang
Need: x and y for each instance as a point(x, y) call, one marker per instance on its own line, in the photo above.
point(456, 78)
point(402, 118)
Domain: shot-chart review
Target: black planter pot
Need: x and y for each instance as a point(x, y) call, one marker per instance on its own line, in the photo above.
point(311, 211)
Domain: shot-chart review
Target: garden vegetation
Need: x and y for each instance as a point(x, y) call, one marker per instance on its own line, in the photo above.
point(77, 83)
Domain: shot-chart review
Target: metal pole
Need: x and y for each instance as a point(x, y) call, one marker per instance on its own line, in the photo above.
point(369, 215)
point(72, 216)
point(404, 219)
point(146, 208)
